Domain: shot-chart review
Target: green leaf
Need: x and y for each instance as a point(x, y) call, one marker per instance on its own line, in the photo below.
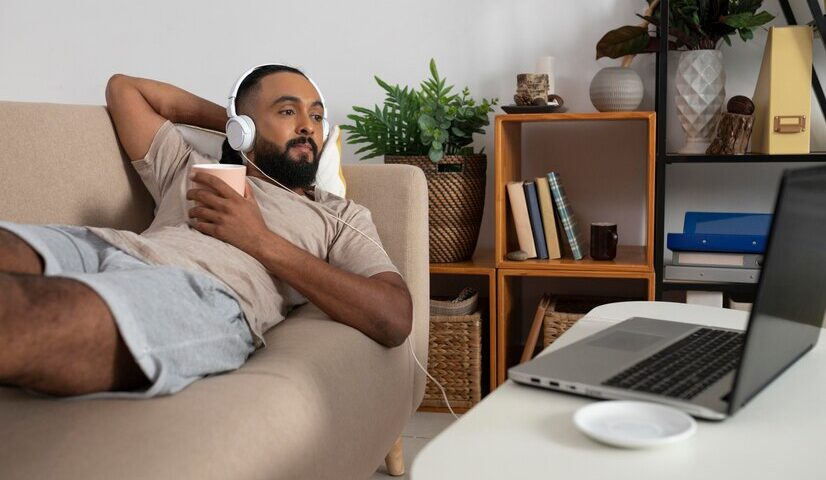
point(433, 70)
point(746, 34)
point(627, 40)
point(747, 20)
point(426, 122)
point(727, 40)
point(436, 155)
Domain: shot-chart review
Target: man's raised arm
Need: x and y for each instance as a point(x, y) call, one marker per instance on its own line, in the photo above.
point(140, 106)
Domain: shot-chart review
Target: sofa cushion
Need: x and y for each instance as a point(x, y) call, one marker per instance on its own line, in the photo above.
point(321, 401)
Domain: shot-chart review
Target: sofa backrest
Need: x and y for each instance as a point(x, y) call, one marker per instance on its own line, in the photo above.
point(63, 164)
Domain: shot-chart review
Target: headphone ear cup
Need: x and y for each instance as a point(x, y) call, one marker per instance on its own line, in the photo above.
point(241, 133)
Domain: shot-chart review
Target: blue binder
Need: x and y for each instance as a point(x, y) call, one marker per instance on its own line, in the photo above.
point(722, 232)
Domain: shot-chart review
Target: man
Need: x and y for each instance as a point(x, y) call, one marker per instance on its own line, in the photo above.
point(85, 310)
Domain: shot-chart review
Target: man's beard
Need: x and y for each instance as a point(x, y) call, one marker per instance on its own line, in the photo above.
point(291, 171)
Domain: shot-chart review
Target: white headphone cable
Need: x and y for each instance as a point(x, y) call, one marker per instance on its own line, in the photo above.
point(409, 342)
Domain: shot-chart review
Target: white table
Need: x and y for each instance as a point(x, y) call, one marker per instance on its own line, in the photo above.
point(522, 432)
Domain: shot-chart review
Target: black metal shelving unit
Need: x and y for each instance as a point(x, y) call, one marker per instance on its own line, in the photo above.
point(664, 159)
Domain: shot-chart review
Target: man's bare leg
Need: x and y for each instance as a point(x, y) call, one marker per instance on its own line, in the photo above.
point(57, 335)
point(17, 256)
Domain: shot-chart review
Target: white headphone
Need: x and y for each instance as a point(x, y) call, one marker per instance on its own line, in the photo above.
point(241, 129)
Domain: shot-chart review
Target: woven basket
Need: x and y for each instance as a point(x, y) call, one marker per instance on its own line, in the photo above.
point(456, 190)
point(455, 360)
point(464, 304)
point(563, 313)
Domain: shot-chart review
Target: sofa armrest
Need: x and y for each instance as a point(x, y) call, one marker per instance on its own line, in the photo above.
point(397, 198)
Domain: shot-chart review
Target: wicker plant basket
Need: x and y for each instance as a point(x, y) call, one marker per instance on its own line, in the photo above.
point(563, 313)
point(455, 360)
point(456, 190)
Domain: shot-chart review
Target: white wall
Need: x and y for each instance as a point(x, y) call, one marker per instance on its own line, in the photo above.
point(65, 52)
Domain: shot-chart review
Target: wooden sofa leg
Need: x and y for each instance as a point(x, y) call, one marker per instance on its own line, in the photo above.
point(395, 459)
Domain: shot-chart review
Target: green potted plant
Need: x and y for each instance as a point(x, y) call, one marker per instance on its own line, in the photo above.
point(697, 27)
point(432, 128)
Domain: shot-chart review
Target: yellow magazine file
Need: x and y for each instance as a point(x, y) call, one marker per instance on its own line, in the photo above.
point(783, 96)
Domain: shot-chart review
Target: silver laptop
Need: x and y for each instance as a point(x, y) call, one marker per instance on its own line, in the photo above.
point(708, 372)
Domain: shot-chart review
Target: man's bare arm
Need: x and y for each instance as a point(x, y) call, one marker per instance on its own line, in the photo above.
point(140, 106)
point(379, 306)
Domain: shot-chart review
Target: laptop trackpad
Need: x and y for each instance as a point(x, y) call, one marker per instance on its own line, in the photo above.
point(627, 341)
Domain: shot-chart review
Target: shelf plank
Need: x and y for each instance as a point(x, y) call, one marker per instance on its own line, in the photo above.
point(582, 116)
point(482, 263)
point(814, 157)
point(629, 259)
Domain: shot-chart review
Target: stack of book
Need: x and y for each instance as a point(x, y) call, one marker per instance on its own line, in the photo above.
point(719, 247)
point(545, 224)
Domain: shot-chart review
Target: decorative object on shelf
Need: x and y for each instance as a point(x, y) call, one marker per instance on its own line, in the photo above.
point(734, 128)
point(740, 105)
point(522, 99)
point(604, 240)
point(530, 86)
point(455, 351)
point(783, 94)
point(465, 303)
point(701, 88)
point(517, 256)
point(433, 129)
point(616, 89)
point(697, 26)
point(546, 64)
point(554, 105)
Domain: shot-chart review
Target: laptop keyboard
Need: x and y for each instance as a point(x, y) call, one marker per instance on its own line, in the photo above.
point(685, 368)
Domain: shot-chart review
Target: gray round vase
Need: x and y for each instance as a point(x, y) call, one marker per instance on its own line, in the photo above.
point(616, 89)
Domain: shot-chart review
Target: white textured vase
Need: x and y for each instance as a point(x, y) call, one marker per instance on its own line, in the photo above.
point(701, 93)
point(616, 89)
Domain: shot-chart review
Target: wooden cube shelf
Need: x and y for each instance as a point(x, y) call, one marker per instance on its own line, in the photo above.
point(634, 264)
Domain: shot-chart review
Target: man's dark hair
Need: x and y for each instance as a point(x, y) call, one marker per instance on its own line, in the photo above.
point(249, 85)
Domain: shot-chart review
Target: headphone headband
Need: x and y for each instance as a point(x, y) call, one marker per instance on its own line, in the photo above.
point(231, 112)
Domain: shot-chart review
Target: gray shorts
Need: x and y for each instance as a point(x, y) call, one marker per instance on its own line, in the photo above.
point(179, 325)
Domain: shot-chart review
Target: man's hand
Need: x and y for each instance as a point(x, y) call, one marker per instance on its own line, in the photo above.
point(225, 215)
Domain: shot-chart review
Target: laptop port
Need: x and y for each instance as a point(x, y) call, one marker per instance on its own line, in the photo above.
point(554, 384)
point(534, 380)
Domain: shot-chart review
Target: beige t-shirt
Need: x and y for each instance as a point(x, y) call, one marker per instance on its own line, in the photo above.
point(264, 298)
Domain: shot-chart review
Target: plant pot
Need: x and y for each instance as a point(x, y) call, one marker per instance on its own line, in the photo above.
point(616, 89)
point(456, 190)
point(701, 93)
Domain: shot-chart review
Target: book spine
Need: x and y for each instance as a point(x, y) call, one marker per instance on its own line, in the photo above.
point(519, 211)
point(569, 223)
point(536, 220)
point(546, 207)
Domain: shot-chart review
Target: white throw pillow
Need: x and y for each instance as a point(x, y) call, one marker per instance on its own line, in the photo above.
point(328, 178)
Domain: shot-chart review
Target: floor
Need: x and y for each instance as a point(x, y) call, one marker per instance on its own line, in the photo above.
point(423, 426)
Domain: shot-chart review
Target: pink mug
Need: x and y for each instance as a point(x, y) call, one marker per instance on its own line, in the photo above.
point(233, 175)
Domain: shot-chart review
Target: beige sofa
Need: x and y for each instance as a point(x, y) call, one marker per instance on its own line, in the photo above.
point(321, 401)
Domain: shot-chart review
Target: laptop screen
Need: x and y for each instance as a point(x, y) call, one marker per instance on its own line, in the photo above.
point(791, 297)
